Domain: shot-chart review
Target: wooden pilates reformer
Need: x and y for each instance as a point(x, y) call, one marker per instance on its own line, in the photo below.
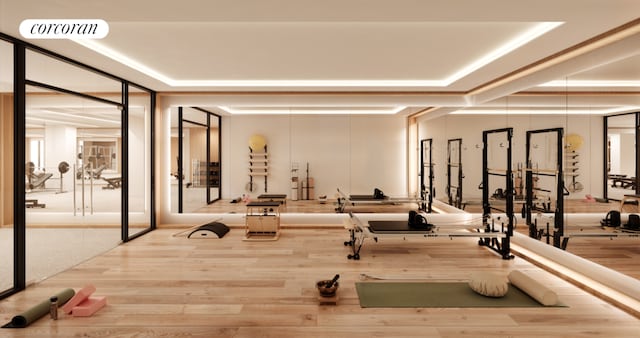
point(345, 200)
point(361, 229)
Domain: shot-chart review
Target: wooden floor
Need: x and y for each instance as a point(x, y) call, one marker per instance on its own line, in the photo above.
point(159, 285)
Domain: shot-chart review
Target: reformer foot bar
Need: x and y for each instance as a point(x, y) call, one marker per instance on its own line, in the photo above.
point(360, 230)
point(353, 200)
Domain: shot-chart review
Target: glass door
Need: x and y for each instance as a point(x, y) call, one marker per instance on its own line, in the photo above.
point(72, 179)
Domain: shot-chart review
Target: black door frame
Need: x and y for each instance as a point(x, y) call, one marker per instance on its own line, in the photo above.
point(20, 83)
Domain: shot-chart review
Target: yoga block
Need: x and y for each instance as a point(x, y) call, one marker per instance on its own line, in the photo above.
point(78, 298)
point(90, 306)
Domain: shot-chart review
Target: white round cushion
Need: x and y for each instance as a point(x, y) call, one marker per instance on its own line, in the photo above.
point(488, 284)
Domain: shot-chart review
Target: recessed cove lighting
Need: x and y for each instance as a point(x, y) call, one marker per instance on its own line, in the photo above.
point(312, 111)
point(536, 31)
point(591, 83)
point(543, 111)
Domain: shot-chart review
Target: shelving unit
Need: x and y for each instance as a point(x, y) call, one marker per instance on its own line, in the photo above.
point(262, 221)
point(571, 159)
point(258, 166)
point(199, 174)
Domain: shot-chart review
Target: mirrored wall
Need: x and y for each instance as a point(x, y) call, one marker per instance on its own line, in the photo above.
point(195, 159)
point(621, 155)
point(6, 167)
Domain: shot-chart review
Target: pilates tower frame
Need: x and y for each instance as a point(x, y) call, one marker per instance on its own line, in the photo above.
point(558, 225)
point(502, 247)
point(426, 195)
point(457, 185)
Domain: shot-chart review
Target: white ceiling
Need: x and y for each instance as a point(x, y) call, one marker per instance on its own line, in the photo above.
point(337, 54)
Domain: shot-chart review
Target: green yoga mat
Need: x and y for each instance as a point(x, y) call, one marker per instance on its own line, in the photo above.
point(400, 294)
point(26, 318)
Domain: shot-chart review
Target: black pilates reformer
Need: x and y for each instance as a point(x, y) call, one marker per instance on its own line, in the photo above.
point(360, 230)
point(377, 197)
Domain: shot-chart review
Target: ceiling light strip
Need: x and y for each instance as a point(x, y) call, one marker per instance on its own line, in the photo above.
point(543, 111)
point(301, 111)
point(574, 51)
point(511, 45)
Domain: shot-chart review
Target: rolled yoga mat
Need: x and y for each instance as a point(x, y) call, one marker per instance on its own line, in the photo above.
point(26, 318)
point(534, 289)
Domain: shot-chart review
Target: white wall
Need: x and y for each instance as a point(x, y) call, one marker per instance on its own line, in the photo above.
point(470, 128)
point(60, 145)
point(353, 153)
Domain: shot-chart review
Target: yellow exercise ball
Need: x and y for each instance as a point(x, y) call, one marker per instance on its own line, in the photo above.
point(573, 142)
point(257, 142)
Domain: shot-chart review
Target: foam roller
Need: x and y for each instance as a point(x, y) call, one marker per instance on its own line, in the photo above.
point(535, 290)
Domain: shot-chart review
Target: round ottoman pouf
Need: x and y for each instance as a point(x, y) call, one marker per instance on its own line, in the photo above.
point(488, 284)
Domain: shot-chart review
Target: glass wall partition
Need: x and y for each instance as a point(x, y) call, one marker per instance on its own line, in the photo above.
point(72, 153)
point(67, 131)
point(140, 160)
point(6, 168)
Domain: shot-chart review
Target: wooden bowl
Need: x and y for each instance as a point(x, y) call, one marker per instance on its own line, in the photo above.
point(324, 290)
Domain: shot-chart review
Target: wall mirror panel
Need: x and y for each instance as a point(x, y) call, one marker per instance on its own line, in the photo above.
point(195, 159)
point(621, 155)
point(6, 167)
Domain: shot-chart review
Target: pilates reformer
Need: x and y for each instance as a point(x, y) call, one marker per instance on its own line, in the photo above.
point(622, 181)
point(575, 231)
point(360, 229)
point(376, 198)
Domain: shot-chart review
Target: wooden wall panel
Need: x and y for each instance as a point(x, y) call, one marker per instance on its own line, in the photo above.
point(6, 154)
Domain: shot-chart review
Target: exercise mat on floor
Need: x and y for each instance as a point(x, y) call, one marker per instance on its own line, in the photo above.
point(459, 294)
point(31, 315)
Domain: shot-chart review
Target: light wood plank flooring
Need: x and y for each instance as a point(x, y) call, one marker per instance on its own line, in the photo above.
point(160, 285)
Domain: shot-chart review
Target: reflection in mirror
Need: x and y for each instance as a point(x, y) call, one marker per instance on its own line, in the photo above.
point(195, 154)
point(6, 167)
point(454, 172)
point(139, 160)
point(621, 156)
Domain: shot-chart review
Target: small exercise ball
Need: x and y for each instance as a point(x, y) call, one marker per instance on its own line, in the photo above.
point(573, 142)
point(257, 142)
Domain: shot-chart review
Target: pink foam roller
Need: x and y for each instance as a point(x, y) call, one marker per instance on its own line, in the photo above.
point(78, 298)
point(90, 306)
